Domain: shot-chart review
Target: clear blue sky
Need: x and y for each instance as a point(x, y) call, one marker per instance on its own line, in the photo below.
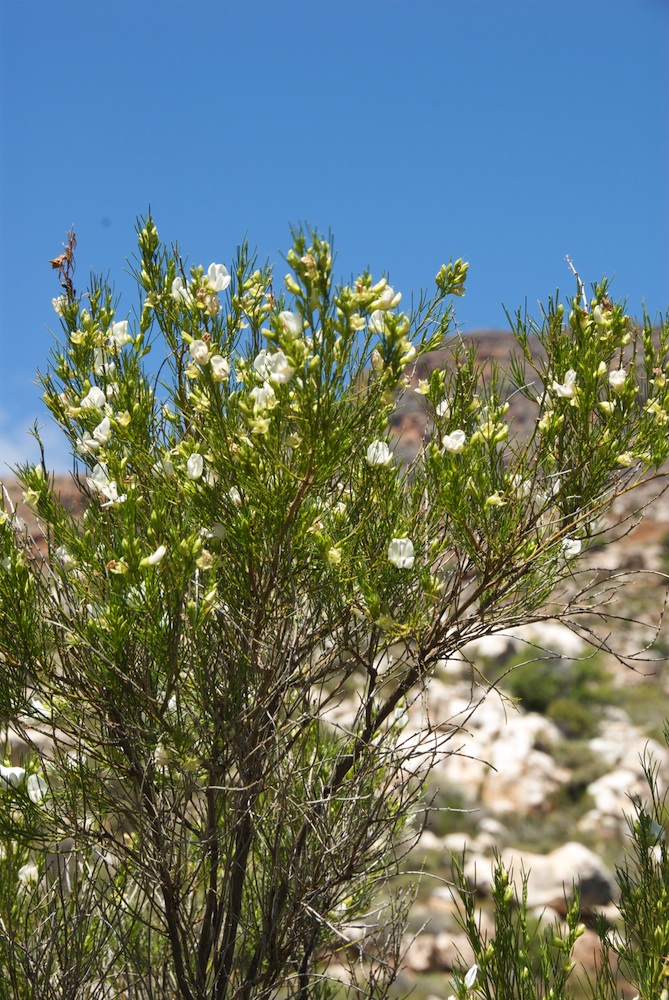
point(508, 133)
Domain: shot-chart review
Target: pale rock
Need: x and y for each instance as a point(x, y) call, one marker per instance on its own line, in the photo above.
point(451, 950)
point(419, 953)
point(551, 876)
point(598, 824)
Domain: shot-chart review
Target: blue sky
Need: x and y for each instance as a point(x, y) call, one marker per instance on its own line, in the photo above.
point(508, 133)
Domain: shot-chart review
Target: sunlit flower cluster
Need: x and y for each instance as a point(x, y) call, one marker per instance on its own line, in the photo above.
point(202, 291)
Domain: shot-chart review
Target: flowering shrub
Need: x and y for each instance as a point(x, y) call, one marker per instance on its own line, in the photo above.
point(212, 667)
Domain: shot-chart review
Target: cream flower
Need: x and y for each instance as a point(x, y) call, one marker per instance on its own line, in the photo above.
point(212, 303)
point(495, 500)
point(263, 396)
point(274, 367)
point(454, 442)
point(94, 399)
point(218, 278)
point(195, 466)
point(571, 547)
point(401, 553)
point(64, 558)
point(567, 388)
point(199, 352)
point(101, 366)
point(87, 445)
point(379, 453)
point(36, 787)
point(102, 432)
point(617, 379)
point(291, 323)
point(180, 291)
point(388, 299)
point(119, 336)
point(470, 978)
point(12, 777)
point(155, 557)
point(377, 322)
point(28, 876)
point(100, 482)
point(220, 368)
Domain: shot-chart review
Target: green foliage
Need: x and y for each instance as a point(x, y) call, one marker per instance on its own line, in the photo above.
point(584, 764)
point(526, 961)
point(573, 717)
point(520, 959)
point(211, 668)
point(542, 685)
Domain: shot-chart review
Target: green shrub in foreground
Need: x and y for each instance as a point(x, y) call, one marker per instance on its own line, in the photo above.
point(212, 667)
point(528, 962)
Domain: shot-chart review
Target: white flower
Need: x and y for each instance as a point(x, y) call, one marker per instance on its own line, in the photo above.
point(180, 291)
point(443, 408)
point(523, 487)
point(199, 352)
point(602, 317)
point(164, 465)
point(217, 531)
point(571, 547)
point(401, 553)
point(12, 777)
point(218, 278)
point(101, 366)
point(220, 368)
point(87, 445)
point(36, 787)
point(263, 397)
point(379, 453)
point(64, 558)
point(470, 978)
point(273, 366)
point(102, 432)
point(100, 482)
point(99, 478)
point(409, 352)
point(617, 379)
point(454, 442)
point(291, 323)
point(59, 304)
point(195, 466)
point(567, 388)
point(118, 335)
point(377, 322)
point(161, 756)
point(28, 875)
point(235, 496)
point(94, 399)
point(155, 557)
point(388, 299)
